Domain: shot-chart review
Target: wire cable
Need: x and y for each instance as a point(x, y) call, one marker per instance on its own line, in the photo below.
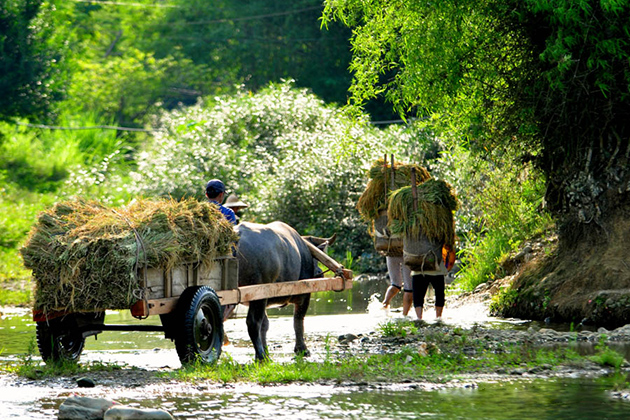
point(92, 127)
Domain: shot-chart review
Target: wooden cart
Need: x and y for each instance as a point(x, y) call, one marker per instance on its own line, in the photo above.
point(189, 301)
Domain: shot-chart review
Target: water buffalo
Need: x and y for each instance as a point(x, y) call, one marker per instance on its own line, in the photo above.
point(275, 253)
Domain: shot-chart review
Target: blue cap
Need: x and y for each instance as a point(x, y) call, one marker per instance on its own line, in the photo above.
point(215, 187)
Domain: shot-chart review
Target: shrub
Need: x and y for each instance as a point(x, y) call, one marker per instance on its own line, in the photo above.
point(283, 151)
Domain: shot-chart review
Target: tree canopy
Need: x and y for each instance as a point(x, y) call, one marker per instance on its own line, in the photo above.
point(32, 57)
point(547, 79)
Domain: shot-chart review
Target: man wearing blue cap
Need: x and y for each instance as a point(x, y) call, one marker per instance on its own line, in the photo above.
point(215, 190)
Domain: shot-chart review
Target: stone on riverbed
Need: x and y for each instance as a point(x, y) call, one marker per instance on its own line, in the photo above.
point(84, 408)
point(120, 412)
point(347, 338)
point(86, 382)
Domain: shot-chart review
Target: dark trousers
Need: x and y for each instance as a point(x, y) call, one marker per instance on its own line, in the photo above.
point(420, 286)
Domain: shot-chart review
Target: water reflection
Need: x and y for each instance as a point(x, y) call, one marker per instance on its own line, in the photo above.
point(355, 300)
point(539, 399)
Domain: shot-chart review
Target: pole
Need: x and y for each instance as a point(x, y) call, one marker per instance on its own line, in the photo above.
point(414, 189)
point(393, 181)
point(385, 175)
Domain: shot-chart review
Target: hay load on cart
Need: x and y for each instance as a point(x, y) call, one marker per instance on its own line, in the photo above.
point(87, 257)
point(153, 257)
point(384, 178)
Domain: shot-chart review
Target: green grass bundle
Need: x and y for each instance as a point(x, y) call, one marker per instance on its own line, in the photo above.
point(434, 216)
point(374, 198)
point(84, 256)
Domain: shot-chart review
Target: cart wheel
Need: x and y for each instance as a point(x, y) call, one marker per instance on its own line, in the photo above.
point(57, 341)
point(201, 337)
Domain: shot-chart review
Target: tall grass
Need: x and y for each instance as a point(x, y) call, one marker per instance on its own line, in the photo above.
point(18, 212)
point(502, 206)
point(39, 159)
point(35, 165)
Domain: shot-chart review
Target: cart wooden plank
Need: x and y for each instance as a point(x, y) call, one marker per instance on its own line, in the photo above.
point(247, 294)
point(325, 259)
point(289, 288)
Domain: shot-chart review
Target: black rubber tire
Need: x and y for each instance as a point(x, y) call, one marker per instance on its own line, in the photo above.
point(59, 340)
point(201, 334)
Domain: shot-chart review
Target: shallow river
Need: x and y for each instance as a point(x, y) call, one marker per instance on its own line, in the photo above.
point(331, 314)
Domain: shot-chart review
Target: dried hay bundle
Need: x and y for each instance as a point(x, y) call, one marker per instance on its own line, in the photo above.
point(85, 256)
point(434, 216)
point(374, 197)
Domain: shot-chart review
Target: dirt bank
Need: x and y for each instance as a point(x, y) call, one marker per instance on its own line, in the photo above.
point(587, 283)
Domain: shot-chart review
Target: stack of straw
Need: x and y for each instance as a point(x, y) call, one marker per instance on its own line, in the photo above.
point(436, 203)
point(374, 198)
point(85, 256)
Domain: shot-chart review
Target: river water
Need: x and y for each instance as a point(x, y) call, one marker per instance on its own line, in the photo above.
point(331, 314)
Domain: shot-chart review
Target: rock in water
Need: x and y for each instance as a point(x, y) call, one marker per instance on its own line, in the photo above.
point(84, 408)
point(121, 412)
point(86, 382)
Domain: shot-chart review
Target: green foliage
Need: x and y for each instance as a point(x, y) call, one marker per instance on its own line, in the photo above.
point(41, 159)
point(130, 59)
point(34, 162)
point(397, 328)
point(435, 60)
point(433, 356)
point(347, 262)
point(33, 369)
point(605, 356)
point(503, 300)
point(129, 88)
point(257, 42)
point(18, 212)
point(14, 297)
point(492, 74)
point(32, 56)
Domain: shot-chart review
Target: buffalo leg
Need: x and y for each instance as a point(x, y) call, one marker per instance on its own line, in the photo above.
point(255, 316)
point(301, 303)
point(264, 327)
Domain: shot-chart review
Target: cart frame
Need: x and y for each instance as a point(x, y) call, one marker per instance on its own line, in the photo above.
point(189, 307)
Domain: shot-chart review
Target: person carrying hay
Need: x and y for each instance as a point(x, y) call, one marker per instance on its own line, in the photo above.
point(385, 177)
point(423, 216)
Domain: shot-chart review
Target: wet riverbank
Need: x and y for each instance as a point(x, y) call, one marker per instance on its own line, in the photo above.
point(144, 365)
point(580, 388)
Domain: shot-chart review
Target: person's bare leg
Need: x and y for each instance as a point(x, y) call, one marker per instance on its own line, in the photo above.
point(438, 311)
point(389, 295)
point(407, 302)
point(419, 312)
